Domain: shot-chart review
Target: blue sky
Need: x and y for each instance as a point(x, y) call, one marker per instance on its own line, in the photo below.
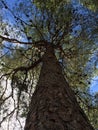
point(94, 85)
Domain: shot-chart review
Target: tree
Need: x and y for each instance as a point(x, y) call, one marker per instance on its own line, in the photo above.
point(53, 104)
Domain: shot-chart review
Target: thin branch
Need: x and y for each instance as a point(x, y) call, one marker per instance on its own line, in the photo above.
point(7, 74)
point(2, 101)
point(35, 43)
point(22, 68)
point(4, 89)
point(16, 17)
point(4, 118)
point(19, 123)
point(22, 21)
point(4, 54)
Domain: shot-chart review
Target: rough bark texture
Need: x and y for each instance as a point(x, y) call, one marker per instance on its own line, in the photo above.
point(53, 105)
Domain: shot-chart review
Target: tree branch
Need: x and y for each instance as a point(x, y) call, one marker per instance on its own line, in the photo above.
point(16, 17)
point(9, 114)
point(35, 43)
point(22, 68)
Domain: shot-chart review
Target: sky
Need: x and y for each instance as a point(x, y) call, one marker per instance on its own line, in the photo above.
point(94, 85)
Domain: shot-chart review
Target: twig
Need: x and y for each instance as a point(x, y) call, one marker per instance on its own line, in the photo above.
point(35, 43)
point(4, 118)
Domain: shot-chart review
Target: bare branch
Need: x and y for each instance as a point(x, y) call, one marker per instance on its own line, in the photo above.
point(22, 68)
point(35, 43)
point(2, 101)
point(4, 54)
point(4, 89)
point(4, 118)
point(16, 17)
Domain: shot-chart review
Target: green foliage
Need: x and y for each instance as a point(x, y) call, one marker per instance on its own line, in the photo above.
point(91, 4)
point(51, 5)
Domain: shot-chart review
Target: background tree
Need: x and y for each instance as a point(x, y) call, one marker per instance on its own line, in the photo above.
point(59, 23)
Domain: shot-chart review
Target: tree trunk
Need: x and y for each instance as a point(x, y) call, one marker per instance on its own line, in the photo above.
point(53, 105)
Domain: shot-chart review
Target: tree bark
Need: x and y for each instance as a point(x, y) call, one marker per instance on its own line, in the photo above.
point(53, 105)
